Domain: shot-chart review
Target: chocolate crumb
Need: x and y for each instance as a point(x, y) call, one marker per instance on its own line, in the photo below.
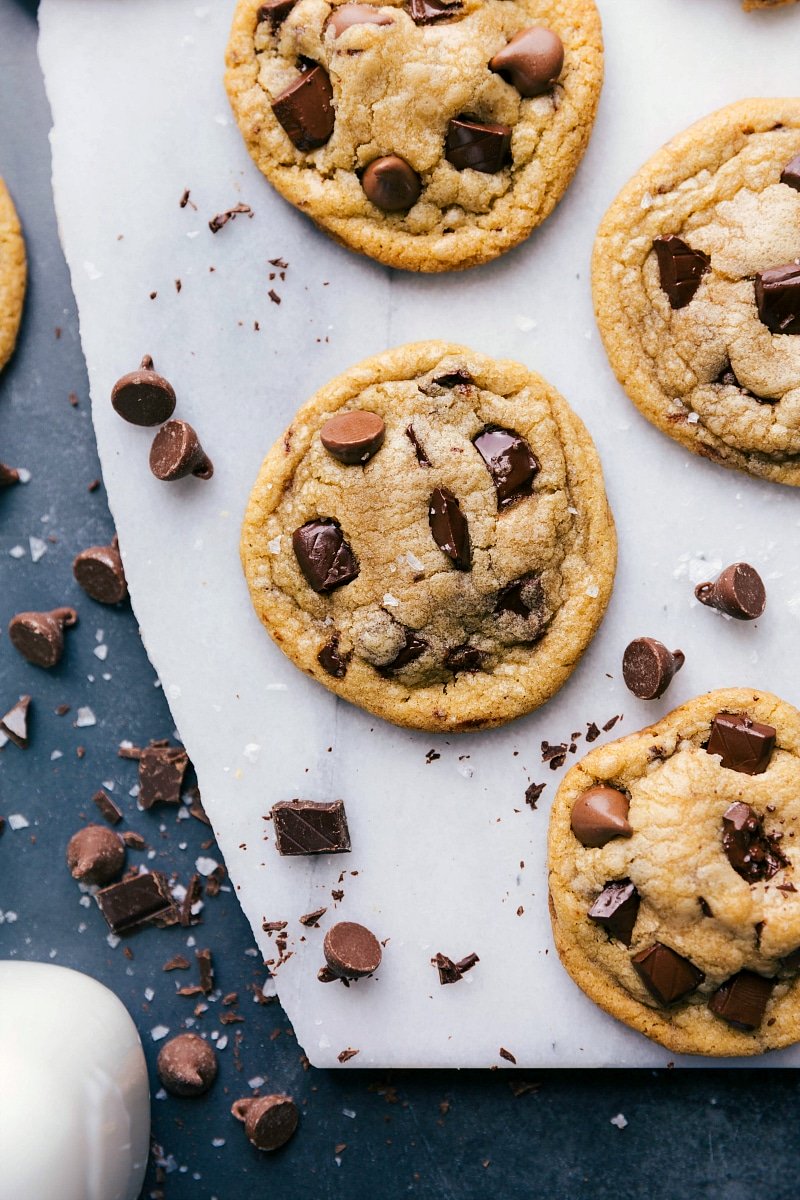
point(507, 1055)
point(346, 1055)
point(273, 295)
point(216, 223)
point(609, 725)
point(311, 919)
point(533, 792)
point(178, 963)
point(592, 732)
point(107, 807)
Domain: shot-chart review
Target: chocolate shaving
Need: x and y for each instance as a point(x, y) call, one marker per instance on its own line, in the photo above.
point(347, 1054)
point(311, 919)
point(107, 807)
point(216, 223)
point(533, 792)
point(452, 972)
point(178, 963)
point(507, 1055)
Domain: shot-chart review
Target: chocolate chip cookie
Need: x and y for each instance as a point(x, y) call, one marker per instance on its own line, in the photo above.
point(430, 539)
point(428, 134)
point(748, 5)
point(12, 275)
point(697, 288)
point(674, 893)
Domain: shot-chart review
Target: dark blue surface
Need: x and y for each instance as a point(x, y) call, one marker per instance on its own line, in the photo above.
point(726, 1135)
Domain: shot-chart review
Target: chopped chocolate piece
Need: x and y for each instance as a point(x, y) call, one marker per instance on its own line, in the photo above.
point(648, 667)
point(412, 648)
point(428, 12)
point(422, 457)
point(791, 173)
point(680, 268)
point(178, 963)
point(507, 1055)
point(107, 807)
point(15, 723)
point(556, 755)
point(311, 919)
point(206, 966)
point(752, 853)
point(345, 1055)
point(39, 636)
point(390, 183)
point(791, 962)
point(346, 15)
point(464, 658)
point(231, 1018)
point(706, 911)
point(741, 1000)
point(161, 772)
point(193, 893)
point(324, 975)
point(522, 597)
point(353, 437)
point(727, 378)
point(609, 725)
point(135, 902)
point(452, 972)
point(778, 298)
point(126, 750)
point(449, 528)
point(273, 926)
point(187, 1065)
point(275, 11)
point(216, 223)
point(133, 840)
point(8, 476)
point(100, 573)
point(306, 827)
point(510, 462)
point(305, 109)
point(532, 61)
point(592, 732)
point(143, 397)
point(269, 1121)
point(351, 951)
point(533, 792)
point(744, 744)
point(176, 452)
point(668, 976)
point(477, 146)
point(331, 659)
point(324, 555)
point(95, 854)
point(616, 909)
point(738, 591)
point(600, 814)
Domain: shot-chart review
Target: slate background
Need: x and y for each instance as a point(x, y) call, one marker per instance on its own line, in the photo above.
point(461, 1135)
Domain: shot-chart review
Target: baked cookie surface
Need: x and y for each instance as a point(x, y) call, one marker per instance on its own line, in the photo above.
point(749, 5)
point(431, 539)
point(461, 161)
point(697, 288)
point(12, 275)
point(673, 861)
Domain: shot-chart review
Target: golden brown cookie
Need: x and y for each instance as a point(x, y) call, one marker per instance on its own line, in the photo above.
point(673, 864)
point(431, 540)
point(12, 275)
point(697, 288)
point(430, 135)
point(749, 5)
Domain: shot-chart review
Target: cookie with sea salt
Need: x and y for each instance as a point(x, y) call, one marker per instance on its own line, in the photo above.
point(13, 272)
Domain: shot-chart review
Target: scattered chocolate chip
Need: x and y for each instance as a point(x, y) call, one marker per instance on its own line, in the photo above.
point(681, 269)
point(176, 452)
point(741, 1001)
point(351, 951)
point(390, 183)
point(95, 854)
point(477, 146)
point(668, 976)
point(422, 457)
point(15, 723)
point(428, 12)
point(187, 1065)
point(778, 298)
point(323, 555)
point(532, 793)
point(332, 660)
point(216, 223)
point(743, 744)
point(275, 11)
point(311, 919)
point(411, 650)
point(738, 591)
point(353, 437)
point(464, 658)
point(305, 827)
point(39, 636)
point(510, 462)
point(100, 573)
point(346, 15)
point(161, 772)
point(648, 667)
point(532, 61)
point(449, 528)
point(305, 109)
point(599, 815)
point(616, 909)
point(522, 597)
point(143, 397)
point(8, 476)
point(452, 972)
point(136, 901)
point(791, 173)
point(269, 1121)
point(752, 853)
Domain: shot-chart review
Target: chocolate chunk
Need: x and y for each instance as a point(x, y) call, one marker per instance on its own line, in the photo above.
point(143, 397)
point(791, 173)
point(356, 14)
point(311, 919)
point(599, 815)
point(727, 378)
point(738, 591)
point(743, 744)
point(100, 573)
point(522, 597)
point(351, 951)
point(412, 648)
point(206, 968)
point(449, 528)
point(648, 667)
point(353, 437)
point(453, 379)
point(8, 476)
point(778, 298)
point(95, 854)
point(532, 793)
point(161, 772)
point(107, 807)
point(422, 457)
point(269, 1121)
point(15, 723)
point(741, 1000)
point(305, 109)
point(616, 909)
point(176, 452)
point(323, 555)
point(452, 972)
point(305, 827)
point(39, 636)
point(792, 961)
point(752, 853)
point(187, 1065)
point(532, 61)
point(221, 219)
point(464, 658)
point(332, 660)
point(391, 184)
point(681, 269)
point(275, 11)
point(510, 462)
point(668, 976)
point(477, 146)
point(137, 901)
point(429, 12)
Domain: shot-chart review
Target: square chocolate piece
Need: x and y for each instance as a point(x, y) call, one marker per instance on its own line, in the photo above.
point(305, 827)
point(743, 744)
point(135, 902)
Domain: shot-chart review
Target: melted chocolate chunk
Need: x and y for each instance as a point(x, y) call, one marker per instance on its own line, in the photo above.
point(522, 597)
point(459, 378)
point(510, 462)
point(778, 298)
point(599, 815)
point(741, 1001)
point(347, 15)
point(449, 528)
point(422, 457)
point(331, 659)
point(429, 12)
point(680, 268)
point(275, 11)
point(727, 378)
point(668, 976)
point(305, 827)
point(324, 556)
point(412, 648)
point(305, 109)
point(791, 173)
point(743, 744)
point(477, 146)
point(616, 909)
point(750, 851)
point(464, 658)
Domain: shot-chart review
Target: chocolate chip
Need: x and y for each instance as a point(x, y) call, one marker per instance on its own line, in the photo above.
point(464, 658)
point(275, 11)
point(39, 636)
point(306, 827)
point(741, 1001)
point(100, 573)
point(305, 109)
point(752, 853)
point(616, 909)
point(648, 667)
point(161, 772)
point(390, 183)
point(187, 1065)
point(95, 854)
point(8, 476)
point(477, 146)
point(452, 972)
point(599, 815)
point(351, 951)
point(532, 60)
point(411, 650)
point(176, 452)
point(332, 660)
point(738, 591)
point(744, 744)
point(143, 397)
point(667, 975)
point(356, 14)
point(15, 723)
point(791, 173)
point(778, 298)
point(323, 555)
point(453, 379)
point(269, 1121)
point(428, 12)
point(522, 597)
point(510, 462)
point(422, 457)
point(449, 528)
point(136, 901)
point(353, 437)
point(681, 269)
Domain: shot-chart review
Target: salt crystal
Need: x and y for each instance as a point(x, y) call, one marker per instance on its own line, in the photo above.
point(525, 324)
point(252, 751)
point(222, 1042)
point(390, 600)
point(17, 552)
point(205, 866)
point(54, 754)
point(349, 1112)
point(17, 821)
point(256, 1082)
point(85, 718)
point(38, 548)
point(113, 940)
point(101, 652)
point(593, 590)
point(92, 271)
point(274, 546)
point(217, 1142)
point(619, 1121)
point(160, 1094)
point(646, 201)
point(159, 1032)
point(24, 474)
point(149, 993)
